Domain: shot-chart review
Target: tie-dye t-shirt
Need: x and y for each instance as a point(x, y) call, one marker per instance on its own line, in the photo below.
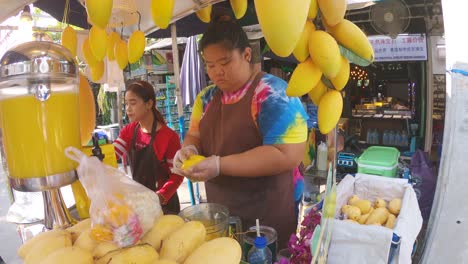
point(280, 119)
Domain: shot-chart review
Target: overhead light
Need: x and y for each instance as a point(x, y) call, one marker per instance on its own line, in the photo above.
point(25, 24)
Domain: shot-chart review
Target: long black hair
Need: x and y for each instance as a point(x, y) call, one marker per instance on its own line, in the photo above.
point(145, 91)
point(224, 30)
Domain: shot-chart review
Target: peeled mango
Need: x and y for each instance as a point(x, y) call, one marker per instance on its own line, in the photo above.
point(69, 40)
point(98, 42)
point(69, 255)
point(204, 14)
point(161, 12)
point(99, 12)
point(317, 92)
point(329, 111)
point(25, 248)
point(325, 53)
point(81, 226)
point(181, 243)
point(162, 228)
point(88, 54)
point(141, 254)
point(219, 250)
point(239, 7)
point(121, 54)
point(341, 79)
point(136, 46)
point(378, 216)
point(282, 22)
point(353, 38)
point(391, 220)
point(192, 161)
point(46, 246)
point(332, 10)
point(103, 248)
point(304, 78)
point(85, 241)
point(394, 206)
point(112, 39)
point(301, 51)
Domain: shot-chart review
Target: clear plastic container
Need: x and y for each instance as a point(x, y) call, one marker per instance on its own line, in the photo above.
point(260, 253)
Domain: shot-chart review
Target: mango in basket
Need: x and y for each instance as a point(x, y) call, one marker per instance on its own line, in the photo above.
point(192, 161)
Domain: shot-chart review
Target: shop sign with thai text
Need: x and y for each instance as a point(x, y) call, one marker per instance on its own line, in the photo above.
point(411, 47)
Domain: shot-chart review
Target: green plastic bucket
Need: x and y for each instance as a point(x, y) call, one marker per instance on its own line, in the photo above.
point(378, 160)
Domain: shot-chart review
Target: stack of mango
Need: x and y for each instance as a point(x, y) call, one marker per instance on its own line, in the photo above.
point(291, 27)
point(170, 241)
point(381, 213)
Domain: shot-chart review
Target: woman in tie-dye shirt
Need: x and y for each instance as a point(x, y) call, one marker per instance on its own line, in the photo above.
point(252, 134)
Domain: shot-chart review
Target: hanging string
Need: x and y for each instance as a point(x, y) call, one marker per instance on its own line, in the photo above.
point(121, 31)
point(139, 19)
point(66, 12)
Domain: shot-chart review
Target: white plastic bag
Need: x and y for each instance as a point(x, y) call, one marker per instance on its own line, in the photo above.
point(121, 210)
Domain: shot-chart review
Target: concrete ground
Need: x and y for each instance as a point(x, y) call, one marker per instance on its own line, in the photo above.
point(30, 205)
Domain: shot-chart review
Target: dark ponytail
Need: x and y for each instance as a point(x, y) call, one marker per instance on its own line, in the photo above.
point(145, 91)
point(224, 30)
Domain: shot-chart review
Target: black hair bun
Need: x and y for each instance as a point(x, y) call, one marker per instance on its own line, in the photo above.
point(221, 14)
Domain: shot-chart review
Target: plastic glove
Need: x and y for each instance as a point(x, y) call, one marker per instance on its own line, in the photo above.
point(183, 154)
point(205, 170)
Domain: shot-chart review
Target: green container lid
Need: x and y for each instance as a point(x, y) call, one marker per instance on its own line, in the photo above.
point(379, 156)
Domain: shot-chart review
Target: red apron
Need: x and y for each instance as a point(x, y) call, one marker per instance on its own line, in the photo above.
point(227, 129)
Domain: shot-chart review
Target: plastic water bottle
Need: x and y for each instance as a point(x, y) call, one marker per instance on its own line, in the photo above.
point(260, 253)
point(368, 136)
point(391, 138)
point(385, 137)
point(398, 138)
point(376, 137)
point(404, 139)
point(322, 156)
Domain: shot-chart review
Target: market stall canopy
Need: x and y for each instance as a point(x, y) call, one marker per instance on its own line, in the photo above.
point(188, 23)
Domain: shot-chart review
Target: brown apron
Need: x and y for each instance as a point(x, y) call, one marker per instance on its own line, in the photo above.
point(147, 169)
point(227, 129)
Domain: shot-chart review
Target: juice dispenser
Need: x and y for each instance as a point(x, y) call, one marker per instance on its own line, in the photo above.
point(39, 118)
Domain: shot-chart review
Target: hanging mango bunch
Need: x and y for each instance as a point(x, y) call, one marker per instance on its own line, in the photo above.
point(324, 55)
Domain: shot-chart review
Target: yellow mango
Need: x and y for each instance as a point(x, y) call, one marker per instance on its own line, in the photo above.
point(204, 14)
point(219, 250)
point(161, 12)
point(313, 9)
point(98, 42)
point(380, 203)
point(79, 227)
point(394, 206)
point(88, 54)
point(85, 241)
point(192, 161)
point(69, 40)
point(378, 216)
point(301, 51)
point(69, 255)
point(353, 213)
point(345, 208)
point(364, 205)
point(162, 228)
point(121, 54)
point(47, 245)
point(181, 243)
point(329, 111)
point(139, 254)
point(325, 53)
point(25, 248)
point(363, 218)
point(99, 12)
point(391, 220)
point(112, 39)
point(282, 23)
point(317, 92)
point(304, 78)
point(239, 7)
point(352, 199)
point(164, 261)
point(341, 79)
point(353, 38)
point(97, 71)
point(333, 11)
point(136, 46)
point(103, 248)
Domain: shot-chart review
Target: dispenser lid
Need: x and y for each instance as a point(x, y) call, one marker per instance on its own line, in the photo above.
point(38, 58)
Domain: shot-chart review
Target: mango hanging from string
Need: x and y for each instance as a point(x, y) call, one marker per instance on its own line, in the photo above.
point(99, 12)
point(161, 12)
point(204, 14)
point(136, 44)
